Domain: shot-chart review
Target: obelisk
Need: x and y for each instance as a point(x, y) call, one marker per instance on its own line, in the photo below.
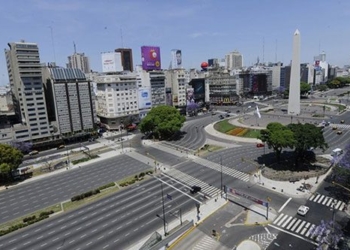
point(294, 85)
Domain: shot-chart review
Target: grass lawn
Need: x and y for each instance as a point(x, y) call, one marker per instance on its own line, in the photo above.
point(224, 126)
point(76, 204)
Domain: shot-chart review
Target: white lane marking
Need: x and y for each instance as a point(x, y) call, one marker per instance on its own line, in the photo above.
point(285, 204)
point(295, 235)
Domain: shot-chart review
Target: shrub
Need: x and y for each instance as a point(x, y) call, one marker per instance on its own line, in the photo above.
point(28, 219)
point(142, 174)
point(112, 184)
point(243, 132)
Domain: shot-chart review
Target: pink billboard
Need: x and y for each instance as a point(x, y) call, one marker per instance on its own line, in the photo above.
point(150, 56)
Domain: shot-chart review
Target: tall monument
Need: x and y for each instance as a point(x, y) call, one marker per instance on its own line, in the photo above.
point(294, 85)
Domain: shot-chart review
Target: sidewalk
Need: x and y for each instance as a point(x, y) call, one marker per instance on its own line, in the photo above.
point(206, 210)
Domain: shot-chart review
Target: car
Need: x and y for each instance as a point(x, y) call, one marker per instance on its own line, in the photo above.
point(34, 152)
point(195, 189)
point(260, 145)
point(334, 128)
point(61, 146)
point(342, 121)
point(302, 210)
point(221, 116)
point(339, 132)
point(238, 111)
point(227, 115)
point(228, 111)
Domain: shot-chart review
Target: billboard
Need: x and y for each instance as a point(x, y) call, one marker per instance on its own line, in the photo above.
point(145, 98)
point(176, 59)
point(111, 62)
point(190, 103)
point(150, 57)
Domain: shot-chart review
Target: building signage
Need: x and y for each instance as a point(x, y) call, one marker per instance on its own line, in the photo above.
point(145, 99)
point(256, 200)
point(150, 57)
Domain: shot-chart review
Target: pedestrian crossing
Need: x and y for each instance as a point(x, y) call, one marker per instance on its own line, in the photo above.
point(294, 225)
point(327, 201)
point(190, 181)
point(342, 126)
point(206, 243)
point(228, 171)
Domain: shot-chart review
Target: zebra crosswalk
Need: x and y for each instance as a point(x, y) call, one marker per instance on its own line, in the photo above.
point(295, 225)
point(343, 126)
point(228, 171)
point(206, 242)
point(327, 201)
point(188, 180)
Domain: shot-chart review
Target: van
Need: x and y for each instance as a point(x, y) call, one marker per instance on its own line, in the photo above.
point(337, 152)
point(34, 152)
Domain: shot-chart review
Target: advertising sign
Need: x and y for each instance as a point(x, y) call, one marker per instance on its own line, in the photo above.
point(150, 57)
point(145, 99)
point(111, 62)
point(176, 59)
point(256, 200)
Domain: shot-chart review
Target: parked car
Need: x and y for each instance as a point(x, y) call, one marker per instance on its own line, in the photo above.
point(260, 145)
point(302, 210)
point(195, 189)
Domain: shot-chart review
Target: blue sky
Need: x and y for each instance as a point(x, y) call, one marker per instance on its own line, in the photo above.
point(202, 29)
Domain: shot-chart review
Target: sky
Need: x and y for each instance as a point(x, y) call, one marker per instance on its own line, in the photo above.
point(202, 29)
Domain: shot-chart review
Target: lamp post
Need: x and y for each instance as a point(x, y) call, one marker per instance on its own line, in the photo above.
point(121, 126)
point(221, 175)
point(155, 162)
point(163, 208)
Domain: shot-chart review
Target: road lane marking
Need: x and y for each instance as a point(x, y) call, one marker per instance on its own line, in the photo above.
point(285, 204)
point(295, 235)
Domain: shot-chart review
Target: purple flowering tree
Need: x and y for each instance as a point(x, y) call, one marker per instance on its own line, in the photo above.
point(341, 172)
point(327, 234)
point(24, 147)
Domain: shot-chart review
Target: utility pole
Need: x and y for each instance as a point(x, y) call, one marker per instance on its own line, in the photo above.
point(164, 223)
point(221, 174)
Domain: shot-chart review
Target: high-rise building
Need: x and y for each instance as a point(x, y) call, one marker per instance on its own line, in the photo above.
point(79, 61)
point(234, 60)
point(25, 75)
point(126, 55)
point(72, 108)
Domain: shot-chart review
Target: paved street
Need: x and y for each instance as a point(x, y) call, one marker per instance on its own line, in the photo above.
point(29, 197)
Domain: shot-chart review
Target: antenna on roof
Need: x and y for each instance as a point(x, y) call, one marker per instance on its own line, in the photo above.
point(75, 48)
point(276, 52)
point(121, 37)
point(263, 58)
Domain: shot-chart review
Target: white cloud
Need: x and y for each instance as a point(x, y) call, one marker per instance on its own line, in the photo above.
point(200, 34)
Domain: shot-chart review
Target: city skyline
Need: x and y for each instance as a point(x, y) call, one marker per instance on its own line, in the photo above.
point(201, 29)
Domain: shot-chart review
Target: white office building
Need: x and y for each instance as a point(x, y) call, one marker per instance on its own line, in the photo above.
point(177, 80)
point(234, 60)
point(117, 98)
point(79, 61)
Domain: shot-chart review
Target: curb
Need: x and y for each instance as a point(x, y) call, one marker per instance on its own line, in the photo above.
point(177, 241)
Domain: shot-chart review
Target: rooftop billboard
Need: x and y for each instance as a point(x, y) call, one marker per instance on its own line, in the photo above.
point(150, 57)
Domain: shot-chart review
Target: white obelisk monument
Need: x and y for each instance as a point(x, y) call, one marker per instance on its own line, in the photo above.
point(294, 85)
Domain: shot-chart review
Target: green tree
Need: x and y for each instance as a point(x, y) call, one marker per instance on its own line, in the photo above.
point(335, 83)
point(162, 121)
point(10, 158)
point(304, 88)
point(277, 137)
point(306, 136)
point(322, 87)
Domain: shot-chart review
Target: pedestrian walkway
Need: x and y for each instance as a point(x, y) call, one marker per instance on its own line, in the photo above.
point(207, 242)
point(190, 181)
point(228, 171)
point(294, 225)
point(343, 126)
point(327, 201)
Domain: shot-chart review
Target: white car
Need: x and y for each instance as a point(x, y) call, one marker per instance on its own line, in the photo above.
point(302, 210)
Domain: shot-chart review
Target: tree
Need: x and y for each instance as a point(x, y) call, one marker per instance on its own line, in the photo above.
point(304, 88)
point(326, 234)
point(277, 137)
point(24, 147)
point(335, 83)
point(11, 158)
point(306, 136)
point(162, 121)
point(322, 87)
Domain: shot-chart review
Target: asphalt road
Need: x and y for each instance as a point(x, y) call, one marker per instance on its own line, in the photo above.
point(114, 222)
point(30, 197)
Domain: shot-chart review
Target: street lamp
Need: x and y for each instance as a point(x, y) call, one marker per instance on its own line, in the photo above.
point(221, 175)
point(163, 208)
point(155, 162)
